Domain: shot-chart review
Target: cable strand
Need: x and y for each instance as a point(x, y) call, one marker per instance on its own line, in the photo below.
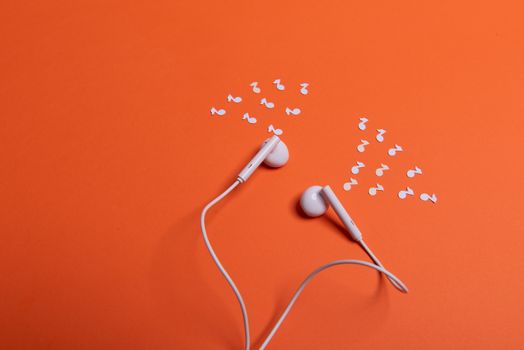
point(377, 265)
point(219, 264)
point(389, 275)
point(401, 288)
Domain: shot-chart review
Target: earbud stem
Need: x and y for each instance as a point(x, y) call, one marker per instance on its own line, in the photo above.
point(353, 230)
point(258, 158)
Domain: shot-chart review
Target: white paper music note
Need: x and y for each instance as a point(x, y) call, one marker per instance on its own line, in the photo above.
point(380, 171)
point(362, 124)
point(347, 185)
point(304, 90)
point(356, 169)
point(413, 172)
point(272, 129)
point(362, 147)
point(403, 194)
point(294, 111)
point(250, 120)
point(234, 99)
point(373, 190)
point(393, 151)
point(219, 112)
point(425, 197)
point(265, 102)
point(380, 137)
point(255, 87)
point(278, 84)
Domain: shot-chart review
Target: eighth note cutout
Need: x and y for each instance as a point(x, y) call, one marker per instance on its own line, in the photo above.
point(403, 194)
point(356, 169)
point(294, 111)
point(255, 87)
point(362, 124)
point(373, 190)
point(380, 135)
point(265, 102)
point(279, 85)
point(380, 171)
point(362, 147)
point(219, 112)
point(272, 129)
point(426, 197)
point(393, 151)
point(347, 185)
point(413, 172)
point(304, 90)
point(234, 99)
point(250, 120)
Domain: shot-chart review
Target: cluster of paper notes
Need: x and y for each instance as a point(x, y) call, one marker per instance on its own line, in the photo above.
point(255, 88)
point(380, 171)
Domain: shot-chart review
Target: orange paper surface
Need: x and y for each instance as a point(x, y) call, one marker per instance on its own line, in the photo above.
point(109, 153)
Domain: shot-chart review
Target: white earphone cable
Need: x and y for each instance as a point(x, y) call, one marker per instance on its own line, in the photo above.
point(394, 281)
point(219, 264)
point(392, 277)
point(397, 283)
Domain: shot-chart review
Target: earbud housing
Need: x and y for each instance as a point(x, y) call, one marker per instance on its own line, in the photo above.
point(315, 201)
point(273, 153)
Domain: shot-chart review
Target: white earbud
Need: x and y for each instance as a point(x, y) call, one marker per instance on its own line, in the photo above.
point(315, 201)
point(273, 153)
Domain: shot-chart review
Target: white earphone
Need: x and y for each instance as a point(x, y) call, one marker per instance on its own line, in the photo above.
point(314, 202)
point(273, 153)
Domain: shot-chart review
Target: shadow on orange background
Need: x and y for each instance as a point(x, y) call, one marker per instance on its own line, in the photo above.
point(109, 153)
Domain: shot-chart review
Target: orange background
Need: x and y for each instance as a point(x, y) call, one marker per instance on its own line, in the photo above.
point(109, 153)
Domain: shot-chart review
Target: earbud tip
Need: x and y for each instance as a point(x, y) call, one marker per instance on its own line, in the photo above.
point(312, 202)
point(278, 157)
